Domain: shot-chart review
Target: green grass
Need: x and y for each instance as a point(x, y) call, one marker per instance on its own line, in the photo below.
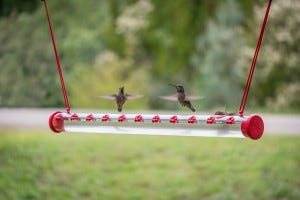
point(42, 165)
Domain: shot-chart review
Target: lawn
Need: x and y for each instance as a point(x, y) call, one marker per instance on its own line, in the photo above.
point(43, 165)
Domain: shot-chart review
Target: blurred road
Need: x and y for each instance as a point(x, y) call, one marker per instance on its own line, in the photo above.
point(38, 119)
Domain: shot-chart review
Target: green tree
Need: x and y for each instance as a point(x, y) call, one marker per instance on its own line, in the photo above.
point(153, 40)
point(7, 7)
point(28, 75)
point(108, 73)
point(217, 56)
point(24, 79)
point(170, 37)
point(277, 82)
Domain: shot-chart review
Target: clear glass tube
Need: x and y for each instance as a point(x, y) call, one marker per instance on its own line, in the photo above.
point(151, 124)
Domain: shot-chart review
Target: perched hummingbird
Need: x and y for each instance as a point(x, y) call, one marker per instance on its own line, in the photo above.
point(181, 97)
point(121, 97)
point(224, 113)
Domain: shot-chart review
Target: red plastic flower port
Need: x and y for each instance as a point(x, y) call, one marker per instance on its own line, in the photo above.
point(138, 118)
point(230, 120)
point(192, 120)
point(90, 117)
point(74, 117)
point(174, 119)
point(156, 119)
point(105, 118)
point(211, 120)
point(122, 118)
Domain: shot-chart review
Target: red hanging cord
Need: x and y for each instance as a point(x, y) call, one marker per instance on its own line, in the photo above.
point(250, 75)
point(64, 91)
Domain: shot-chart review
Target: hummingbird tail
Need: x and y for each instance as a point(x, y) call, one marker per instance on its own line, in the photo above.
point(189, 105)
point(193, 109)
point(119, 108)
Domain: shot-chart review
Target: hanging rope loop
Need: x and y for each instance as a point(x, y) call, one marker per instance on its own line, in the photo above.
point(62, 83)
point(250, 75)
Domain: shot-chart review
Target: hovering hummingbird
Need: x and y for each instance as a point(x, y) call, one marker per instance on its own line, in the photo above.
point(181, 97)
point(121, 97)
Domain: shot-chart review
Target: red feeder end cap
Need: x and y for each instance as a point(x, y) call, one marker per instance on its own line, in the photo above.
point(253, 127)
point(56, 122)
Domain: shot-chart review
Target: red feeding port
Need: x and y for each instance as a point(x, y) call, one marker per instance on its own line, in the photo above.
point(90, 117)
point(122, 118)
point(192, 120)
point(230, 120)
point(74, 117)
point(210, 120)
point(138, 118)
point(174, 119)
point(105, 118)
point(156, 119)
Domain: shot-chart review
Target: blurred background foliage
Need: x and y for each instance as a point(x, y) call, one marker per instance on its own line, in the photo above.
point(145, 44)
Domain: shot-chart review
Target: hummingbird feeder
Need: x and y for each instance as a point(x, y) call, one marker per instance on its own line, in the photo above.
point(218, 125)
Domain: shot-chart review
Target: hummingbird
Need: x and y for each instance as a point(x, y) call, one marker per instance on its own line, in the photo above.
point(181, 97)
point(121, 97)
point(224, 113)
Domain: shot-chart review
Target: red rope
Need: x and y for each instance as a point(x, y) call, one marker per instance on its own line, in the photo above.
point(64, 91)
point(248, 83)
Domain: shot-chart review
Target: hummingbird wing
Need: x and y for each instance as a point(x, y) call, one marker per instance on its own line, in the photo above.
point(194, 97)
point(170, 98)
point(133, 96)
point(110, 96)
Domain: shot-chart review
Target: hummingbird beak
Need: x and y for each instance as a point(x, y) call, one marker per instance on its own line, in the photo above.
point(121, 89)
point(172, 84)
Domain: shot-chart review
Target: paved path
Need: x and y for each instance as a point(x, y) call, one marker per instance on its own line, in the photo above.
point(38, 118)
